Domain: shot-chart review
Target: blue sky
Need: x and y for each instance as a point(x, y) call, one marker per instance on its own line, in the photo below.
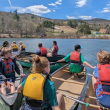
point(60, 9)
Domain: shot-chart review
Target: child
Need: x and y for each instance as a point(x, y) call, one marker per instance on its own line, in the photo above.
point(8, 67)
point(101, 78)
point(22, 48)
point(14, 48)
point(39, 89)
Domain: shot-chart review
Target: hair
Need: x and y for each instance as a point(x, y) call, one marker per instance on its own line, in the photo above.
point(40, 45)
point(13, 44)
point(39, 63)
point(20, 42)
point(55, 42)
point(6, 50)
point(5, 43)
point(103, 57)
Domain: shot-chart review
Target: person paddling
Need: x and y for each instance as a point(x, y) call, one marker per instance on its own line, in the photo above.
point(5, 44)
point(22, 47)
point(76, 60)
point(101, 78)
point(14, 48)
point(41, 51)
point(8, 67)
point(54, 51)
point(39, 89)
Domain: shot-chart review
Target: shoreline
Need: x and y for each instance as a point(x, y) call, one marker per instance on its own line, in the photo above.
point(55, 37)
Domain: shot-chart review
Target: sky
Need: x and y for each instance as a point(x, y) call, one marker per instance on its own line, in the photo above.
point(60, 9)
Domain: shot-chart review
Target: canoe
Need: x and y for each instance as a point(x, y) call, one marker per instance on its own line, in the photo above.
point(70, 89)
point(88, 96)
point(51, 59)
point(24, 61)
point(12, 101)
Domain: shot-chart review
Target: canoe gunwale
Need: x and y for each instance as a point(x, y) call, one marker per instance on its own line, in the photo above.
point(84, 92)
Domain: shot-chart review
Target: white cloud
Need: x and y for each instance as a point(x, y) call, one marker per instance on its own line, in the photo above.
point(85, 17)
point(81, 3)
point(72, 17)
point(106, 9)
point(52, 4)
point(54, 11)
point(56, 3)
point(35, 9)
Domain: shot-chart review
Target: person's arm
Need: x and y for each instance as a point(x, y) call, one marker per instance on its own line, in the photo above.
point(62, 60)
point(20, 48)
point(87, 64)
point(51, 50)
point(19, 89)
point(55, 108)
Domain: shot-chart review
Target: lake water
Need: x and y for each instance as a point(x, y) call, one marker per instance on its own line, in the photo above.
point(90, 46)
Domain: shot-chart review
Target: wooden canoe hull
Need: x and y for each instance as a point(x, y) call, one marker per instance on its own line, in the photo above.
point(70, 89)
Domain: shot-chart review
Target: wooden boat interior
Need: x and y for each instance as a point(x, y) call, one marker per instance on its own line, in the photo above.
point(70, 89)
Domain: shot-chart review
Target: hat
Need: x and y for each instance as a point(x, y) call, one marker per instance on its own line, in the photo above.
point(77, 47)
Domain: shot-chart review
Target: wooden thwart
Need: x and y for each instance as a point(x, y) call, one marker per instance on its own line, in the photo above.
point(60, 79)
point(91, 97)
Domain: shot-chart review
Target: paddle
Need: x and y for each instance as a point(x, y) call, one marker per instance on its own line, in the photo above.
point(86, 104)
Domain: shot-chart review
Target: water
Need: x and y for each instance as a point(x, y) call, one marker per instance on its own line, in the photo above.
point(90, 47)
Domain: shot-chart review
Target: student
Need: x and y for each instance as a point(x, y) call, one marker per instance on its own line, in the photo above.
point(14, 48)
point(22, 49)
point(39, 89)
point(77, 60)
point(101, 78)
point(54, 51)
point(41, 51)
point(5, 44)
point(8, 67)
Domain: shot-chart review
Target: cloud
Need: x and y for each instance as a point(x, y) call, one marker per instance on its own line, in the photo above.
point(54, 11)
point(52, 4)
point(81, 3)
point(35, 9)
point(56, 3)
point(85, 17)
point(106, 9)
point(72, 17)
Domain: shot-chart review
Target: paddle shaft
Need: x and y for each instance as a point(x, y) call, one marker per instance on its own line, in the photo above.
point(91, 105)
point(91, 97)
point(9, 78)
point(60, 79)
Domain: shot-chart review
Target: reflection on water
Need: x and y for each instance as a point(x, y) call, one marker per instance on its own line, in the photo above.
point(90, 47)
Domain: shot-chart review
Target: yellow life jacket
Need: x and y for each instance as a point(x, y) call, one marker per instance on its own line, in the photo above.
point(23, 47)
point(15, 47)
point(1, 48)
point(33, 88)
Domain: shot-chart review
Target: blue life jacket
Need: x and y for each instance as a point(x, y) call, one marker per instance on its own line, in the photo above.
point(102, 88)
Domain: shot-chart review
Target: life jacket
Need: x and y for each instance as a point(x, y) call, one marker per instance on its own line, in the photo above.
point(33, 88)
point(102, 74)
point(56, 50)
point(43, 51)
point(15, 47)
point(8, 65)
point(1, 49)
point(23, 47)
point(75, 57)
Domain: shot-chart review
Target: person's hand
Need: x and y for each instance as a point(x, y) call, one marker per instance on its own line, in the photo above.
point(22, 75)
point(18, 91)
point(58, 61)
point(94, 67)
point(48, 49)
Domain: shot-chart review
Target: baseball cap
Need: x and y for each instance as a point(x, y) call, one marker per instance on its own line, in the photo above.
point(77, 47)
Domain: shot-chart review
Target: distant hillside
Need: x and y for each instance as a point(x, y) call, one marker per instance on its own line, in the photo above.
point(28, 23)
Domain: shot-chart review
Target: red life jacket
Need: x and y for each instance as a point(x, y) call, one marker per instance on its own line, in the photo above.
point(56, 50)
point(75, 56)
point(43, 51)
point(104, 77)
point(8, 65)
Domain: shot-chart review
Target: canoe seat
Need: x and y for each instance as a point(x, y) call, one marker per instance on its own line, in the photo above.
point(101, 106)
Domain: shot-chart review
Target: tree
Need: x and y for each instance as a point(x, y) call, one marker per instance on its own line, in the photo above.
point(16, 16)
point(72, 23)
point(3, 25)
point(32, 17)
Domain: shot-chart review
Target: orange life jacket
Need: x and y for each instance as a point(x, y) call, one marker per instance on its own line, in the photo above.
point(43, 51)
point(75, 57)
point(103, 77)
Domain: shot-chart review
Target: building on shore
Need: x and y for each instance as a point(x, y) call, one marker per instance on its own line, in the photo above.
point(103, 31)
